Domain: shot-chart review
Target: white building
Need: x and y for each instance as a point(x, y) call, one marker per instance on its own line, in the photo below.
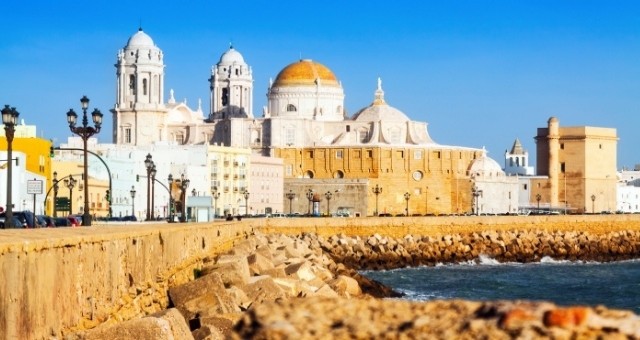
point(628, 191)
point(494, 192)
point(516, 161)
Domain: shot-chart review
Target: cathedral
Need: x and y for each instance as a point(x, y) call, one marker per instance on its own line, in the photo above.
point(377, 161)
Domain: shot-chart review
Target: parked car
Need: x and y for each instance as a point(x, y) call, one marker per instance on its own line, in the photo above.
point(27, 219)
point(75, 220)
point(40, 221)
point(16, 222)
point(49, 222)
point(130, 218)
point(62, 222)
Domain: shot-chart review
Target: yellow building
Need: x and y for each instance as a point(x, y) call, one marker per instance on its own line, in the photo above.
point(435, 178)
point(580, 163)
point(35, 165)
point(69, 169)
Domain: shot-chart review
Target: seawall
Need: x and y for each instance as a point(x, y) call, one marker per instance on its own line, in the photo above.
point(56, 281)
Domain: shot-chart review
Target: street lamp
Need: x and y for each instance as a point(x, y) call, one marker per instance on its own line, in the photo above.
point(290, 196)
point(406, 198)
point(133, 200)
point(377, 190)
point(148, 163)
point(310, 198)
point(85, 132)
point(9, 119)
point(184, 184)
point(55, 193)
point(153, 190)
point(70, 183)
point(538, 198)
point(171, 204)
point(593, 204)
point(328, 195)
point(215, 195)
point(246, 203)
point(476, 197)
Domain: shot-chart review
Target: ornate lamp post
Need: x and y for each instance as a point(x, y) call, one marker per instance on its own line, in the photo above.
point(476, 197)
point(407, 196)
point(328, 196)
point(538, 198)
point(246, 203)
point(171, 203)
point(216, 196)
point(184, 184)
point(593, 204)
point(377, 190)
point(148, 163)
point(55, 193)
point(310, 198)
point(70, 183)
point(153, 190)
point(85, 132)
point(290, 196)
point(9, 119)
point(133, 200)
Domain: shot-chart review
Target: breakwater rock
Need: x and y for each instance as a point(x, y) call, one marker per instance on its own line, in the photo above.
point(308, 287)
point(381, 252)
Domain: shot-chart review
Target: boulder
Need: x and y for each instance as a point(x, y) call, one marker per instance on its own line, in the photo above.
point(258, 263)
point(264, 290)
point(167, 325)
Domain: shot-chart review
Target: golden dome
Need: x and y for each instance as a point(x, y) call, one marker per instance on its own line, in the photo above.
point(306, 72)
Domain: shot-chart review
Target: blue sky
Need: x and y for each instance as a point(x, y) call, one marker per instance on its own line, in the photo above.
point(481, 73)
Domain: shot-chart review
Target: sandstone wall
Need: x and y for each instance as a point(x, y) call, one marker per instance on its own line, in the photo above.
point(55, 281)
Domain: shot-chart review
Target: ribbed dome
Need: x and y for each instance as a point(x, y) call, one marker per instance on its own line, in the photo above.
point(380, 112)
point(231, 56)
point(140, 39)
point(485, 166)
point(306, 72)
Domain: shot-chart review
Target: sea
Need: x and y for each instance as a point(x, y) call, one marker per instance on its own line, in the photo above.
point(612, 284)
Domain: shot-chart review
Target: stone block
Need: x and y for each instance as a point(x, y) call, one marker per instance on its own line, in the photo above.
point(157, 328)
point(185, 292)
point(264, 290)
point(301, 271)
point(210, 304)
point(234, 270)
point(258, 264)
point(345, 286)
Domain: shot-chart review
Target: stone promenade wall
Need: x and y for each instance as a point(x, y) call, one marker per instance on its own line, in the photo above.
point(57, 281)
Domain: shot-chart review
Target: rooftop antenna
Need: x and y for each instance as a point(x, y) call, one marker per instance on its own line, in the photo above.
point(300, 55)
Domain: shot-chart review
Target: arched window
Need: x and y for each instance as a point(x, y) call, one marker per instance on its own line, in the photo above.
point(132, 84)
point(291, 108)
point(308, 174)
point(338, 174)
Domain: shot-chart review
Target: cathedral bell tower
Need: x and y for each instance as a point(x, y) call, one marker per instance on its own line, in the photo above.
point(139, 113)
point(231, 86)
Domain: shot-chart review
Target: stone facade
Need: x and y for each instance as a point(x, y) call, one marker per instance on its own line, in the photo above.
point(580, 165)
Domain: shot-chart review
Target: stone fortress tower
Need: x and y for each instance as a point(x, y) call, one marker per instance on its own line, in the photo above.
point(580, 165)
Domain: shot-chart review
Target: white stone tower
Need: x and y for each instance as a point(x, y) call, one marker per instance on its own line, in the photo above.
point(231, 86)
point(139, 113)
point(516, 161)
